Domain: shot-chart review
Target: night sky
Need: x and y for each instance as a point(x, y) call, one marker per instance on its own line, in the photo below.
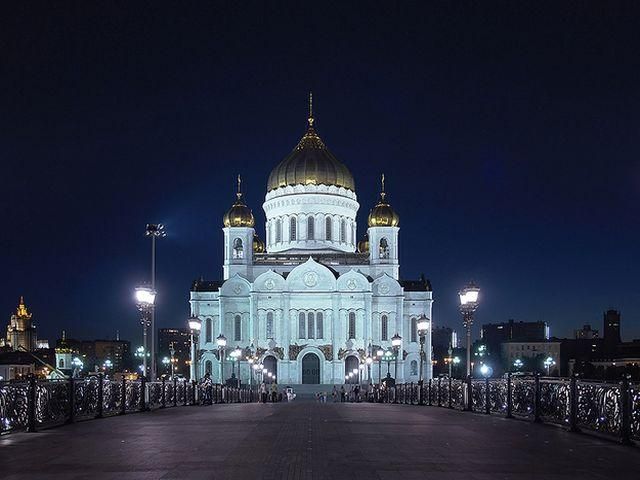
point(508, 133)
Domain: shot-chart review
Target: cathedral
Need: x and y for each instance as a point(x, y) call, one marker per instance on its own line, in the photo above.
point(311, 303)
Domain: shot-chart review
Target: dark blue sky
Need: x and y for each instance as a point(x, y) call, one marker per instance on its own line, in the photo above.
point(508, 134)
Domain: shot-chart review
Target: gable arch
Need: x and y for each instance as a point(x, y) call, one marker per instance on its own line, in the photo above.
point(311, 276)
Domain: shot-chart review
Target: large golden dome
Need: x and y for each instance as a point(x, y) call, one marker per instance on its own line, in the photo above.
point(382, 215)
point(239, 215)
point(310, 163)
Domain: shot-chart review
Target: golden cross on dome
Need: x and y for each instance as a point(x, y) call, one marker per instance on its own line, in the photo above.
point(310, 119)
point(382, 192)
point(239, 192)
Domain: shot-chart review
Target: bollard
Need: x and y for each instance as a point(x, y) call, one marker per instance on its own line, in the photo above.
point(163, 396)
point(72, 401)
point(573, 404)
point(123, 407)
point(31, 404)
point(487, 396)
point(537, 400)
point(509, 396)
point(175, 392)
point(100, 396)
point(625, 409)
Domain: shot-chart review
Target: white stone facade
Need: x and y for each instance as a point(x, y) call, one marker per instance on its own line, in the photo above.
point(310, 307)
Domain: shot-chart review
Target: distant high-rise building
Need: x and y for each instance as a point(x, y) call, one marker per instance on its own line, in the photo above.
point(180, 339)
point(612, 338)
point(117, 351)
point(21, 332)
point(585, 333)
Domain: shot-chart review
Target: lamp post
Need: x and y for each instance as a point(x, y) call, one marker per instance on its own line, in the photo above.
point(172, 352)
point(423, 324)
point(456, 362)
point(379, 355)
point(396, 343)
point(145, 300)
point(517, 363)
point(549, 362)
point(468, 305)
point(195, 324)
point(166, 362)
point(154, 231)
point(369, 361)
point(221, 341)
point(235, 355)
point(388, 357)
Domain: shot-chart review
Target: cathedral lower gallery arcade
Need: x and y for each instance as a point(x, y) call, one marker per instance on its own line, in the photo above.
point(310, 302)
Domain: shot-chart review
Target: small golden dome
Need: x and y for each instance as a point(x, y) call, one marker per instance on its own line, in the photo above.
point(239, 215)
point(382, 215)
point(363, 245)
point(258, 245)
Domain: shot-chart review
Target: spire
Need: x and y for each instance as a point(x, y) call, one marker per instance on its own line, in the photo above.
point(382, 192)
point(22, 311)
point(239, 192)
point(310, 119)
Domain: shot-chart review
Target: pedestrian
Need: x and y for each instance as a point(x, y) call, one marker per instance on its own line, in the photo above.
point(274, 392)
point(263, 392)
point(334, 394)
point(356, 393)
point(343, 394)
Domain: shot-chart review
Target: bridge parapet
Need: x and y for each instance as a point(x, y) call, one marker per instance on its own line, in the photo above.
point(608, 409)
point(34, 404)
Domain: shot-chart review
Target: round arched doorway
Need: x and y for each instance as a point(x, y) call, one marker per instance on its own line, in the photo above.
point(351, 365)
point(311, 368)
point(271, 365)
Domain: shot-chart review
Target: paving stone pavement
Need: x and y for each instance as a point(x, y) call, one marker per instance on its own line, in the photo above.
point(311, 441)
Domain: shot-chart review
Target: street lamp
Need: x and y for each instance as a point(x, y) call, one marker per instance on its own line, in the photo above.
point(145, 301)
point(396, 343)
point(235, 355)
point(379, 355)
point(107, 365)
point(549, 362)
point(423, 324)
point(195, 324)
point(468, 305)
point(517, 363)
point(486, 370)
point(154, 231)
point(389, 357)
point(221, 341)
point(166, 362)
point(369, 361)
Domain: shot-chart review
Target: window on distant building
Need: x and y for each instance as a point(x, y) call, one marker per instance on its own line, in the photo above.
point(327, 228)
point(208, 330)
point(352, 325)
point(414, 329)
point(384, 328)
point(310, 228)
point(319, 325)
point(292, 229)
point(269, 324)
point(238, 251)
point(237, 330)
point(311, 325)
point(301, 326)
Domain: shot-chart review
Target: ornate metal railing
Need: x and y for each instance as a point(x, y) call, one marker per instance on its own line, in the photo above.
point(33, 404)
point(609, 409)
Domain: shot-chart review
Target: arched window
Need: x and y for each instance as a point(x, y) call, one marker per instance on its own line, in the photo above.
point(301, 326)
point(292, 229)
point(384, 328)
point(61, 363)
point(414, 368)
point(319, 325)
point(237, 328)
point(327, 228)
point(238, 251)
point(311, 325)
point(269, 324)
point(343, 231)
point(208, 330)
point(310, 228)
point(414, 329)
point(352, 325)
point(278, 231)
point(384, 248)
point(207, 367)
